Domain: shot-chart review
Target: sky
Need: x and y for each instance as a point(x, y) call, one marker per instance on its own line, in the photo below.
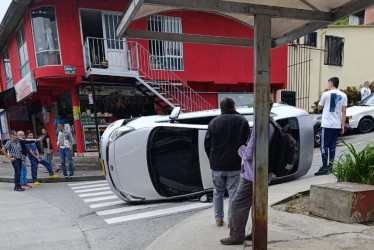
point(4, 4)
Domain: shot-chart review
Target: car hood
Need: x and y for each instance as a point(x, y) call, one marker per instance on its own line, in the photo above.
point(354, 110)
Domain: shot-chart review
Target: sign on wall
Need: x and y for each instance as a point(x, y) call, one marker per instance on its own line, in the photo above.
point(25, 87)
point(76, 112)
point(69, 69)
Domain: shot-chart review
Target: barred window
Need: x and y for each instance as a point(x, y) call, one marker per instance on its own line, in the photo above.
point(334, 50)
point(167, 53)
point(311, 39)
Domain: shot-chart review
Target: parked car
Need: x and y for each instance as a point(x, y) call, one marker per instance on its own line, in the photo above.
point(161, 157)
point(317, 120)
point(361, 116)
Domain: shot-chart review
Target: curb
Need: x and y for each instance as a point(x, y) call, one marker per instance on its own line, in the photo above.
point(47, 180)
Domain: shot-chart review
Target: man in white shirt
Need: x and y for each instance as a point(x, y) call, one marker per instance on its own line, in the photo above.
point(64, 144)
point(334, 105)
point(365, 91)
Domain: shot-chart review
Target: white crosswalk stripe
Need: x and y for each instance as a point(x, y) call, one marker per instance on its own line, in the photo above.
point(95, 194)
point(90, 186)
point(158, 213)
point(91, 189)
point(86, 183)
point(107, 204)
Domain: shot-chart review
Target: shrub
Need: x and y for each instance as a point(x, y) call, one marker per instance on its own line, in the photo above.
point(357, 167)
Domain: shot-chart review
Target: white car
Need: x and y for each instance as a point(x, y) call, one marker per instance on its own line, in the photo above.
point(163, 157)
point(361, 116)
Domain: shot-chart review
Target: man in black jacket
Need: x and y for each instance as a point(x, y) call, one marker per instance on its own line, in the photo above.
point(225, 134)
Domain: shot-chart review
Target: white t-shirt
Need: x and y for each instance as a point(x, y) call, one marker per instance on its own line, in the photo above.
point(365, 92)
point(332, 102)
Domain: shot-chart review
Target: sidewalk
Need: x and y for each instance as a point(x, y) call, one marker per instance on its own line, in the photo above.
point(285, 230)
point(32, 223)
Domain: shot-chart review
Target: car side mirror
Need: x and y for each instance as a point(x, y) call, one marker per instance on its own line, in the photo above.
point(175, 114)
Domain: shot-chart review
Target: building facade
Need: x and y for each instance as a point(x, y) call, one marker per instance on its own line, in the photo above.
point(63, 58)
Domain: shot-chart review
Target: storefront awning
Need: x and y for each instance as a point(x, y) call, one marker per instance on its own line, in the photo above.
point(8, 94)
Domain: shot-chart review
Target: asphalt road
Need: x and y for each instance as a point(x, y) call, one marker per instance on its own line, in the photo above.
point(109, 223)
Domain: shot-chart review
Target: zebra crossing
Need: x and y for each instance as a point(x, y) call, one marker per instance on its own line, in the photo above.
point(105, 203)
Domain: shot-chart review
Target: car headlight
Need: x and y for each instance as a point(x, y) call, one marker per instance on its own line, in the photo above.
point(118, 132)
point(349, 117)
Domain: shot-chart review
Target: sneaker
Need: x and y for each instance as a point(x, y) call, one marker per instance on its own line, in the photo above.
point(228, 241)
point(19, 189)
point(36, 183)
point(219, 223)
point(70, 176)
point(57, 169)
point(53, 176)
point(26, 186)
point(322, 171)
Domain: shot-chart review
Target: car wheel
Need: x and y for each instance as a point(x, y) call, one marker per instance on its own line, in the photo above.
point(365, 125)
point(317, 137)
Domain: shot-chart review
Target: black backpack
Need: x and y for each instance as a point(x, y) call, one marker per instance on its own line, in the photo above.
point(283, 151)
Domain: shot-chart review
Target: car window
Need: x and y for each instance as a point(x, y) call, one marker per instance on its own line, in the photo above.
point(368, 101)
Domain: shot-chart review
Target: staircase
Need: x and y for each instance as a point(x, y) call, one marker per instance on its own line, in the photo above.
point(162, 82)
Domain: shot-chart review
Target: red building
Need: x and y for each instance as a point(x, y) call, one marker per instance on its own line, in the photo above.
point(53, 51)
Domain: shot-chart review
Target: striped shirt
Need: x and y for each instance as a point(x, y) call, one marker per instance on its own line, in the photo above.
point(14, 149)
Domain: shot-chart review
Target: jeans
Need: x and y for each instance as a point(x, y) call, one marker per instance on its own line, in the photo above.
point(241, 205)
point(223, 180)
point(329, 137)
point(49, 157)
point(34, 167)
point(23, 177)
point(65, 152)
point(17, 164)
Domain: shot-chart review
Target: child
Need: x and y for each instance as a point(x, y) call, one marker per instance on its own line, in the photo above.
point(35, 159)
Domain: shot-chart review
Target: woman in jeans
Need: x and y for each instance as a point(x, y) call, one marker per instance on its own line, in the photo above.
point(48, 150)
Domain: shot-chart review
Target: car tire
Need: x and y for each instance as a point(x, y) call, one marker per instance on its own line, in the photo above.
point(365, 125)
point(317, 137)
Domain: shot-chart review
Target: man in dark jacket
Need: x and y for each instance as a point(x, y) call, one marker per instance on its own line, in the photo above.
point(226, 133)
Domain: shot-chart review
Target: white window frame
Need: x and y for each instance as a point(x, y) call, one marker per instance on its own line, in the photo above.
point(58, 39)
point(23, 55)
point(169, 53)
point(7, 69)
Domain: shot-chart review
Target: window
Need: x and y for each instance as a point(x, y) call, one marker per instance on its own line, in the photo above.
point(170, 54)
point(22, 51)
point(7, 70)
point(45, 33)
point(334, 50)
point(311, 39)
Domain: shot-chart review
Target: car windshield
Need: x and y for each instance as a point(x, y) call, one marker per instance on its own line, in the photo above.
point(369, 101)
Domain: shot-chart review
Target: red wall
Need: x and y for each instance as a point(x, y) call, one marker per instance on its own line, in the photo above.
point(215, 63)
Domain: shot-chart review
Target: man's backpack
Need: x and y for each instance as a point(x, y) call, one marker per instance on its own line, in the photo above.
point(283, 151)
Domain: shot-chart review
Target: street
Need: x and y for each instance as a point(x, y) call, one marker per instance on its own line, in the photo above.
point(109, 223)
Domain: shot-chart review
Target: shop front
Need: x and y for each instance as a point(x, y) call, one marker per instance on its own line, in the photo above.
point(112, 103)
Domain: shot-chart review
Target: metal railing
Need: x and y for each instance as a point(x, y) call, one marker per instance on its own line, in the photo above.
point(101, 53)
point(174, 91)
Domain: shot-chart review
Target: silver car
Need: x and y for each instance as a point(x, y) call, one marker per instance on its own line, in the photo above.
point(161, 157)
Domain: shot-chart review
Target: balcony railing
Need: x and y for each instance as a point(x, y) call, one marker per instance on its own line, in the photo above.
point(106, 57)
point(116, 57)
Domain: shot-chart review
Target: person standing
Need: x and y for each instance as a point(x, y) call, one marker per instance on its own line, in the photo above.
point(365, 91)
point(13, 151)
point(48, 150)
point(64, 144)
point(35, 160)
point(334, 104)
point(242, 202)
point(225, 134)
